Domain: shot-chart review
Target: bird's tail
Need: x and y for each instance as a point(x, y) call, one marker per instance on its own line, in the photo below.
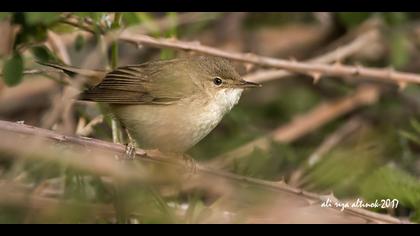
point(94, 76)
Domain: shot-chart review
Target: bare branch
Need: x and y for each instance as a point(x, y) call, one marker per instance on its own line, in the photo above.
point(38, 71)
point(161, 24)
point(294, 66)
point(104, 166)
point(86, 130)
point(82, 24)
point(336, 55)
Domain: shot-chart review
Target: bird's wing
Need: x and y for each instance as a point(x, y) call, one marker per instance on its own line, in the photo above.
point(157, 82)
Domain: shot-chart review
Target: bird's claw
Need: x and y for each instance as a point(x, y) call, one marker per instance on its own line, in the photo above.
point(130, 151)
point(130, 148)
point(190, 165)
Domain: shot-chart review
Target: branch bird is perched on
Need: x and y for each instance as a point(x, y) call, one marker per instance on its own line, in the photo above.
point(169, 105)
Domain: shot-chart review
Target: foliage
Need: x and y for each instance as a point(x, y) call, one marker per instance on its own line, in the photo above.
point(378, 161)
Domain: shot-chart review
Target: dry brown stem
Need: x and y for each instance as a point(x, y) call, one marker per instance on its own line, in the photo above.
point(316, 70)
point(107, 166)
point(336, 55)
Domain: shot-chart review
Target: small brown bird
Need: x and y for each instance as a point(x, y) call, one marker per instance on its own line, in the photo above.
point(168, 105)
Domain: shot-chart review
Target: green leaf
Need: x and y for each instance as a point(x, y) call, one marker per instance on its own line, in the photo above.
point(415, 124)
point(13, 70)
point(42, 53)
point(174, 20)
point(39, 33)
point(45, 18)
point(399, 50)
point(147, 20)
point(79, 42)
point(130, 18)
point(351, 19)
point(392, 182)
point(145, 16)
point(394, 18)
point(172, 32)
point(167, 54)
point(410, 136)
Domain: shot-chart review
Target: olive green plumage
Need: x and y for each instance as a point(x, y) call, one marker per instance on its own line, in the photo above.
point(169, 104)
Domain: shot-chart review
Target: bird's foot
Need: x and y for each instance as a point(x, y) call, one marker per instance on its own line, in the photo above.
point(190, 165)
point(130, 148)
point(130, 151)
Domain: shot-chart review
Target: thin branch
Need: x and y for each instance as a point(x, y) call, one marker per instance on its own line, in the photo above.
point(161, 24)
point(82, 23)
point(336, 55)
point(117, 170)
point(93, 156)
point(62, 104)
point(315, 70)
point(58, 46)
point(303, 124)
point(38, 71)
point(85, 130)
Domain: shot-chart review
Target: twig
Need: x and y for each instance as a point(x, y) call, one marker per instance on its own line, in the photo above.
point(96, 157)
point(118, 171)
point(86, 130)
point(302, 125)
point(336, 55)
point(161, 24)
point(37, 71)
point(60, 50)
point(86, 25)
point(315, 70)
point(58, 46)
point(63, 103)
point(330, 142)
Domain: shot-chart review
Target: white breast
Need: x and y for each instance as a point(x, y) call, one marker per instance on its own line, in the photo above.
point(210, 115)
point(227, 98)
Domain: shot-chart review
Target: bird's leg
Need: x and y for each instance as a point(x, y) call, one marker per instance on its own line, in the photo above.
point(190, 164)
point(130, 148)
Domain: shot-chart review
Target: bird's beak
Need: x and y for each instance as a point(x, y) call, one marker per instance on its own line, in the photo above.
point(247, 84)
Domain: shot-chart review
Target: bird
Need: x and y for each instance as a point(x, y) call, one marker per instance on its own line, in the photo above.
point(168, 105)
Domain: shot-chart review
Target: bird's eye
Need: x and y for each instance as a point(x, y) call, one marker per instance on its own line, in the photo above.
point(218, 81)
